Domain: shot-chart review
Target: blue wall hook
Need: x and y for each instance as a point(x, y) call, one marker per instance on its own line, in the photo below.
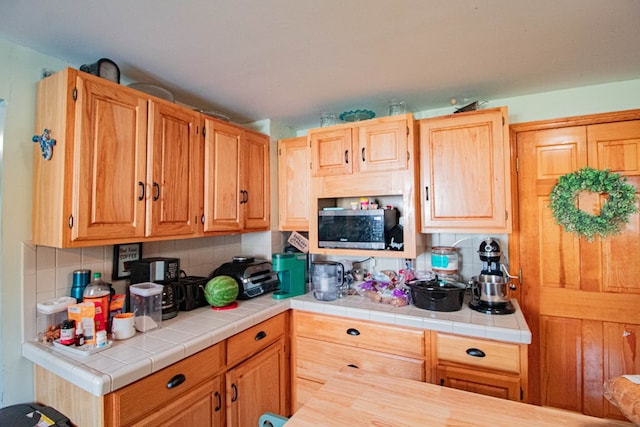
point(46, 143)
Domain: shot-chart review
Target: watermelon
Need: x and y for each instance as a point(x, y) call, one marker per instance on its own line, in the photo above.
point(221, 291)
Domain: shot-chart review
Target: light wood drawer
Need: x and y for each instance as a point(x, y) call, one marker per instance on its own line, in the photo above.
point(477, 352)
point(318, 361)
point(241, 346)
point(361, 334)
point(136, 400)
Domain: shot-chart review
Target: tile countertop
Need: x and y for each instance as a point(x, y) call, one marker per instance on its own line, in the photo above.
point(190, 332)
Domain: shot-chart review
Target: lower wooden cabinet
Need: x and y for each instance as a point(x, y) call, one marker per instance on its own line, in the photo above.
point(325, 344)
point(203, 406)
point(256, 386)
point(156, 400)
point(493, 368)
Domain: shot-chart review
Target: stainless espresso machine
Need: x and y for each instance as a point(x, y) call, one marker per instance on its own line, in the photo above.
point(489, 290)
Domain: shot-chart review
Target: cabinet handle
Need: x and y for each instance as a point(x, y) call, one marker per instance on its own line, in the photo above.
point(219, 404)
point(442, 382)
point(246, 196)
point(260, 335)
point(346, 156)
point(426, 190)
point(363, 159)
point(353, 332)
point(235, 393)
point(351, 365)
point(141, 185)
point(475, 352)
point(176, 381)
point(156, 188)
point(202, 219)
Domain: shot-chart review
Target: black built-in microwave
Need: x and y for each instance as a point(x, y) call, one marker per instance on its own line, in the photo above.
point(376, 229)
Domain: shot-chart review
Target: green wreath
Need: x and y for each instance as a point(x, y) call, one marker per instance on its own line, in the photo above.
point(615, 211)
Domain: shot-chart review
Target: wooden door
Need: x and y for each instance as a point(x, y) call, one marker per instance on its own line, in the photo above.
point(172, 159)
point(222, 183)
point(331, 152)
point(109, 177)
point(293, 184)
point(383, 146)
point(572, 288)
point(256, 177)
point(464, 161)
point(257, 386)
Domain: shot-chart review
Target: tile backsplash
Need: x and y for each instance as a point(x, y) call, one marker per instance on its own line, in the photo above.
point(47, 272)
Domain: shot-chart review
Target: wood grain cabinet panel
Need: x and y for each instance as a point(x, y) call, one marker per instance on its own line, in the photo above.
point(581, 297)
point(91, 191)
point(236, 179)
point(293, 184)
point(322, 345)
point(464, 172)
point(489, 367)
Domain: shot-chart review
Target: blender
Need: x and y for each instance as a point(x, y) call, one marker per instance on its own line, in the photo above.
point(489, 290)
point(326, 279)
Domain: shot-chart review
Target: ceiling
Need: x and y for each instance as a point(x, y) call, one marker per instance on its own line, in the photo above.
point(290, 60)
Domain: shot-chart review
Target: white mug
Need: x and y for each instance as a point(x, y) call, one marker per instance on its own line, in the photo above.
point(122, 326)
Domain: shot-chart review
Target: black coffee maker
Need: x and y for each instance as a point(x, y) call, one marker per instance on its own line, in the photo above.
point(489, 290)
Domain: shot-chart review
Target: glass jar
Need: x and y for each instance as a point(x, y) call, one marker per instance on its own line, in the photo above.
point(444, 259)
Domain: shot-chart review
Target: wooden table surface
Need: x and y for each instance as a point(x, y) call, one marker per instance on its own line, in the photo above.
point(357, 398)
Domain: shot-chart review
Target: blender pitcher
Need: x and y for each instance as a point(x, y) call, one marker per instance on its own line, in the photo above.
point(326, 278)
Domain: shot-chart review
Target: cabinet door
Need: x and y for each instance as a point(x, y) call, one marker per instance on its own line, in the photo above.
point(465, 181)
point(110, 150)
point(331, 152)
point(383, 146)
point(487, 383)
point(222, 176)
point(172, 160)
point(203, 406)
point(256, 386)
point(293, 184)
point(255, 173)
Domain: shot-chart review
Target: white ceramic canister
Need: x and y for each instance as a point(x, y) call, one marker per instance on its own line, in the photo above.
point(444, 259)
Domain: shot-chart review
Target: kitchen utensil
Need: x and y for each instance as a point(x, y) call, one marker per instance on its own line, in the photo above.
point(326, 278)
point(153, 90)
point(489, 290)
point(437, 295)
point(357, 115)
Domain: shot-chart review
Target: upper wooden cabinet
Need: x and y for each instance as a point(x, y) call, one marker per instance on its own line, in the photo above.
point(100, 187)
point(236, 178)
point(376, 159)
point(172, 175)
point(129, 167)
point(371, 145)
point(464, 172)
point(293, 184)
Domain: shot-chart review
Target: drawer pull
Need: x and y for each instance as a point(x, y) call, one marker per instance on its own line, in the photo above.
point(260, 335)
point(351, 365)
point(235, 393)
point(353, 332)
point(219, 404)
point(475, 352)
point(176, 381)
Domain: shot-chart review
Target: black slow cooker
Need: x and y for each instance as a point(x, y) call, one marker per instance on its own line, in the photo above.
point(437, 295)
